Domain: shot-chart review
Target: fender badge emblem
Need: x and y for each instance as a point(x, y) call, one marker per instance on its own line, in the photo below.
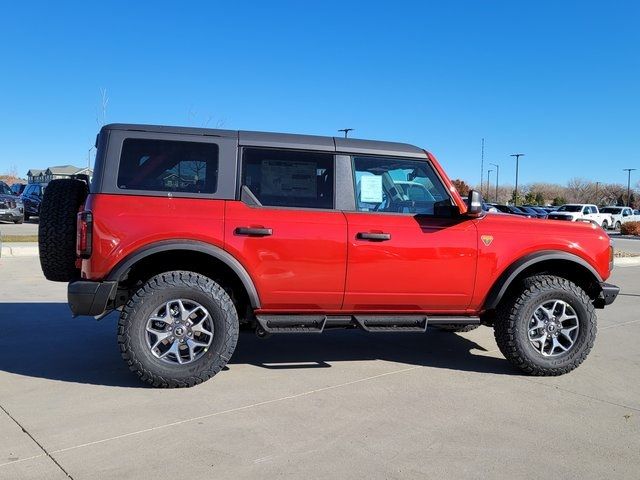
point(487, 239)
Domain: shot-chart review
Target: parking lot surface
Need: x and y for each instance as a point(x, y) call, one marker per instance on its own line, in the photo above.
point(29, 227)
point(344, 404)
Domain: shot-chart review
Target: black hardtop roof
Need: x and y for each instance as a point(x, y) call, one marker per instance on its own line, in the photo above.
point(286, 140)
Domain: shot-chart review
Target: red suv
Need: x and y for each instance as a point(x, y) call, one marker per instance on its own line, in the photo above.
point(191, 233)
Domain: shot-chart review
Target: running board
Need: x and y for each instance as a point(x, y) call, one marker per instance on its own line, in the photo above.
point(369, 322)
point(395, 323)
point(292, 323)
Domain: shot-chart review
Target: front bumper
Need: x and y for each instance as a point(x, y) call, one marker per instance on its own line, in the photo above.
point(11, 214)
point(90, 298)
point(608, 294)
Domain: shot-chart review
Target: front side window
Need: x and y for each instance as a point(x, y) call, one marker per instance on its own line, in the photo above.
point(288, 178)
point(168, 166)
point(397, 185)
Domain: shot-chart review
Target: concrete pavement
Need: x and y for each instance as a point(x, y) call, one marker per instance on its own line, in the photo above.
point(339, 405)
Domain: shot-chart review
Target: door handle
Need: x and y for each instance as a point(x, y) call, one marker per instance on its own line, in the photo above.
point(253, 231)
point(373, 237)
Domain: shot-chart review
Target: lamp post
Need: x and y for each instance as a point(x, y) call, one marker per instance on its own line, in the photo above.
point(628, 170)
point(497, 177)
point(517, 155)
point(488, 181)
point(346, 131)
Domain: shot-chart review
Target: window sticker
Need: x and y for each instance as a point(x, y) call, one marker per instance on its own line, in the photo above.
point(296, 179)
point(371, 189)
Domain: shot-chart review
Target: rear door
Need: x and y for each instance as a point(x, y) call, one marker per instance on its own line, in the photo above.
point(402, 256)
point(286, 231)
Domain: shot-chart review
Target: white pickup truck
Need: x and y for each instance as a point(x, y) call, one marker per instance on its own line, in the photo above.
point(620, 215)
point(582, 212)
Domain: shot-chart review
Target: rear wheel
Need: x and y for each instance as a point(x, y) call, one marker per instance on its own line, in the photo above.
point(57, 230)
point(178, 330)
point(548, 327)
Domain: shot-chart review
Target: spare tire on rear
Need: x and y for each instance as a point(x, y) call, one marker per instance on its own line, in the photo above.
point(57, 230)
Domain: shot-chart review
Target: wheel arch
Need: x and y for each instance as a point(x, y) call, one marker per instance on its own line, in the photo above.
point(563, 264)
point(193, 255)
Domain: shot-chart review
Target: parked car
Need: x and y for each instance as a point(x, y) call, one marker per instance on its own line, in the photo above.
point(191, 232)
point(513, 210)
point(32, 198)
point(620, 215)
point(533, 212)
point(18, 188)
point(582, 212)
point(11, 207)
point(542, 213)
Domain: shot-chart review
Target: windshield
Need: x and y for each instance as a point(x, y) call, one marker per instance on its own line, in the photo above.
point(570, 208)
point(4, 189)
point(611, 210)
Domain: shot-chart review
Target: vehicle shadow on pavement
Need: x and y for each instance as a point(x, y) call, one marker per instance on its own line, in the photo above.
point(435, 348)
point(42, 340)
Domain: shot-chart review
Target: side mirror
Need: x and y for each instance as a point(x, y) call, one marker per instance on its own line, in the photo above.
point(474, 203)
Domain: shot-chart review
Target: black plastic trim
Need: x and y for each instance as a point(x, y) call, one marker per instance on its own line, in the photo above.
point(511, 273)
point(90, 298)
point(607, 296)
point(119, 271)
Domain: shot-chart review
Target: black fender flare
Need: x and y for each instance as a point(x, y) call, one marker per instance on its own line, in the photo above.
point(501, 285)
point(123, 266)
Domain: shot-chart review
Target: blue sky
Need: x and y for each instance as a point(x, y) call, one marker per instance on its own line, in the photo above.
point(557, 80)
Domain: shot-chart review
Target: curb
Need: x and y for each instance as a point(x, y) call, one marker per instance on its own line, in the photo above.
point(19, 250)
point(626, 261)
point(31, 250)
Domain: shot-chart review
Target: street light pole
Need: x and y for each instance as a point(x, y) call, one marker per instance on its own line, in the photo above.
point(517, 155)
point(628, 170)
point(346, 131)
point(488, 181)
point(497, 176)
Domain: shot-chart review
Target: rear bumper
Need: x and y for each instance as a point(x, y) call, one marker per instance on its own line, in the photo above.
point(608, 294)
point(90, 298)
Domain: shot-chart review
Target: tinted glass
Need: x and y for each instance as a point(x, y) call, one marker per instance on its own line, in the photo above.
point(396, 185)
point(4, 189)
point(168, 166)
point(285, 178)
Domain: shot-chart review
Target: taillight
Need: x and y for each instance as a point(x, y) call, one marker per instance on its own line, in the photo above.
point(84, 234)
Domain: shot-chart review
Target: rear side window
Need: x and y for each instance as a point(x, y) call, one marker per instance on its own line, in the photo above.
point(168, 166)
point(286, 178)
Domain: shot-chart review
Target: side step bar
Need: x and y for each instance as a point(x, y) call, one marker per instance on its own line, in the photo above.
point(383, 323)
point(369, 323)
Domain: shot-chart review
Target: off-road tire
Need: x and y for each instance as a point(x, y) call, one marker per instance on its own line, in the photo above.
point(162, 288)
point(57, 229)
point(452, 327)
point(514, 313)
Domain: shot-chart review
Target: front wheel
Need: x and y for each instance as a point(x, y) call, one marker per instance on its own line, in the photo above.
point(178, 330)
point(618, 225)
point(548, 327)
point(605, 224)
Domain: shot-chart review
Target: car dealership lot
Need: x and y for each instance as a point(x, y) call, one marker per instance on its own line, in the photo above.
point(338, 405)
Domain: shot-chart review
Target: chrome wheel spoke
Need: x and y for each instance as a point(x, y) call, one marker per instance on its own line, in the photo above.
point(553, 328)
point(171, 329)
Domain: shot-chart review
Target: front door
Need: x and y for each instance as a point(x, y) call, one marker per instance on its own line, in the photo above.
point(401, 255)
point(286, 231)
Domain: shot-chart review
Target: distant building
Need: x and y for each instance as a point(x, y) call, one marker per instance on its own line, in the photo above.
point(53, 173)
